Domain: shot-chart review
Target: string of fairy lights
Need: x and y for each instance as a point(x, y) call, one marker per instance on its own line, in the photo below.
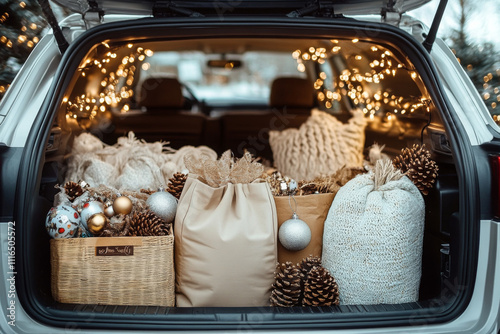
point(116, 85)
point(116, 90)
point(351, 82)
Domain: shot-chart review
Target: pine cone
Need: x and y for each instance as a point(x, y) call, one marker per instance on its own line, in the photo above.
point(147, 191)
point(176, 184)
point(320, 288)
point(118, 226)
point(73, 190)
point(146, 223)
point(287, 286)
point(305, 267)
point(308, 264)
point(308, 188)
point(416, 163)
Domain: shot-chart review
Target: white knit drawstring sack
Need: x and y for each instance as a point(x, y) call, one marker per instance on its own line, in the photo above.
point(321, 146)
point(373, 238)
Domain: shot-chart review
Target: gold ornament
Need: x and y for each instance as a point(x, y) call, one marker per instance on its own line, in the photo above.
point(96, 223)
point(122, 205)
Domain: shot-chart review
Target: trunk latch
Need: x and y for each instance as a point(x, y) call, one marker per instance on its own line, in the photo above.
point(445, 261)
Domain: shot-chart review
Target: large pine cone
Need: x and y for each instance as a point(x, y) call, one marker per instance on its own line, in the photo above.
point(287, 286)
point(146, 223)
point(305, 267)
point(176, 184)
point(320, 288)
point(307, 264)
point(73, 190)
point(416, 163)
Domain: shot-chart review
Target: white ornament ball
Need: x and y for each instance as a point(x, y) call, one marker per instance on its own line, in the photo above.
point(62, 222)
point(294, 234)
point(90, 209)
point(163, 204)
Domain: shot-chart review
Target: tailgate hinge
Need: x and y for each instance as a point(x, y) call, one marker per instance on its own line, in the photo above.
point(391, 13)
point(316, 8)
point(93, 15)
point(171, 9)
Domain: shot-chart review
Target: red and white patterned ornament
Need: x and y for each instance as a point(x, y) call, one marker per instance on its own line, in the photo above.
point(62, 222)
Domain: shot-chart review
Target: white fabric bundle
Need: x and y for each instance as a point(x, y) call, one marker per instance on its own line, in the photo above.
point(373, 238)
point(321, 146)
point(130, 164)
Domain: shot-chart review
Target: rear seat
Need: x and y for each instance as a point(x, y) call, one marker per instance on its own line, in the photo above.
point(291, 101)
point(164, 117)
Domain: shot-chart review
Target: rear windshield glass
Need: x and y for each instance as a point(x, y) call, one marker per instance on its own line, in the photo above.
point(344, 74)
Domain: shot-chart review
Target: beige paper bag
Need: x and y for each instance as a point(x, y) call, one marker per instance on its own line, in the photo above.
point(225, 244)
point(313, 209)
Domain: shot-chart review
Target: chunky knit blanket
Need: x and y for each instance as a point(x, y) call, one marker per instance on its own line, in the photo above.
point(321, 146)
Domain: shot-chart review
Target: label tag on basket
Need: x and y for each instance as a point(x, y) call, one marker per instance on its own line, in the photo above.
point(114, 250)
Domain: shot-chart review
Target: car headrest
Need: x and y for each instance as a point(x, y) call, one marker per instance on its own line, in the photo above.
point(161, 92)
point(292, 92)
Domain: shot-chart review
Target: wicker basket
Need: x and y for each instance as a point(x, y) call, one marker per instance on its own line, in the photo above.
point(113, 271)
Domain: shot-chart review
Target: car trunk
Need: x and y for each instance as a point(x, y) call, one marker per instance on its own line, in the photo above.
point(449, 237)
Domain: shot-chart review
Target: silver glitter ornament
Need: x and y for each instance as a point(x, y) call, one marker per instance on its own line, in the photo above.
point(294, 234)
point(163, 204)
